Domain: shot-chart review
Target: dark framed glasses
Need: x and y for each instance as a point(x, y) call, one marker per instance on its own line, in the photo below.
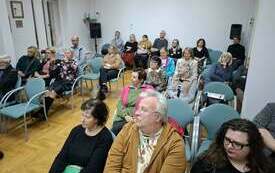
point(236, 145)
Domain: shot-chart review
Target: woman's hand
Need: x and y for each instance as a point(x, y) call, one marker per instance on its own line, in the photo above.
point(128, 118)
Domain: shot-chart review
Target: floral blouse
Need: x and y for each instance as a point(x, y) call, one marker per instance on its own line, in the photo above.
point(67, 69)
point(146, 148)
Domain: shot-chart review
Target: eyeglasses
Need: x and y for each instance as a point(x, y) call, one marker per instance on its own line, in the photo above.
point(234, 144)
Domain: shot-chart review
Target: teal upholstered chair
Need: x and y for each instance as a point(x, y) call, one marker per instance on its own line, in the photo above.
point(119, 75)
point(35, 90)
point(212, 118)
point(183, 114)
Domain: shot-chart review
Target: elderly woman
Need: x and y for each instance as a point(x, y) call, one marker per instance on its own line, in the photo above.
point(128, 97)
point(222, 71)
point(87, 146)
point(66, 73)
point(175, 51)
point(200, 53)
point(156, 76)
point(48, 66)
point(142, 55)
point(130, 49)
point(111, 64)
point(185, 78)
point(237, 148)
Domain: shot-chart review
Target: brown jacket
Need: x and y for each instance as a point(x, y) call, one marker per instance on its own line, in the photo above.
point(168, 156)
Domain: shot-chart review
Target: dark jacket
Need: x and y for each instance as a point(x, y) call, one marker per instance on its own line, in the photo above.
point(8, 80)
point(220, 74)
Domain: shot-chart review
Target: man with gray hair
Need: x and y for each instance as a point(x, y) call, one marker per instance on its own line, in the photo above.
point(161, 41)
point(78, 53)
point(149, 143)
point(8, 75)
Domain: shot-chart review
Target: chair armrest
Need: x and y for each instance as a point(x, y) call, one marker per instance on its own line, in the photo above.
point(75, 81)
point(33, 97)
point(120, 72)
point(9, 94)
point(195, 138)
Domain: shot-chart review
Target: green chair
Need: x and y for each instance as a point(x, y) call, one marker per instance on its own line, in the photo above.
point(119, 75)
point(223, 90)
point(35, 90)
point(183, 114)
point(212, 118)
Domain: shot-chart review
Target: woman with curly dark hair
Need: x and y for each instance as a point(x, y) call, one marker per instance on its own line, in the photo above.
point(238, 148)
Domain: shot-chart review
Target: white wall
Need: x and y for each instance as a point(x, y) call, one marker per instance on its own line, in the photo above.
point(183, 19)
point(72, 12)
point(6, 41)
point(25, 36)
point(260, 86)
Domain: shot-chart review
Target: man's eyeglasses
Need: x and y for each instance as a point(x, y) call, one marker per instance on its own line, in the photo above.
point(234, 144)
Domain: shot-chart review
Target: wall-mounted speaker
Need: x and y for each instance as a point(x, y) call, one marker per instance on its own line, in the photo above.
point(95, 30)
point(236, 31)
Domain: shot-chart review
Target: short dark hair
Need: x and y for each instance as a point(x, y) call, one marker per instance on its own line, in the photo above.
point(156, 59)
point(100, 110)
point(141, 73)
point(146, 36)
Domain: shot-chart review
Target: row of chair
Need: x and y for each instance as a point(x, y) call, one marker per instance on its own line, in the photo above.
point(211, 118)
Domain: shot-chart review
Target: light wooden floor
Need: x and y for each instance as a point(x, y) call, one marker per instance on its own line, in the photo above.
point(46, 139)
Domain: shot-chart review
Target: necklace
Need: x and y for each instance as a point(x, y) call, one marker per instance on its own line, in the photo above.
point(94, 131)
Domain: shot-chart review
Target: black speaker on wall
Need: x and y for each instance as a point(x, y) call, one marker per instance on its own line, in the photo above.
point(236, 31)
point(95, 30)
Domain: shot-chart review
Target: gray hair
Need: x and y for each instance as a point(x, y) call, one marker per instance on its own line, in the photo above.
point(161, 102)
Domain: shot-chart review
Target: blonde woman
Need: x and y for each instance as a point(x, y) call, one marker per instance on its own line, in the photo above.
point(222, 71)
point(111, 64)
point(185, 77)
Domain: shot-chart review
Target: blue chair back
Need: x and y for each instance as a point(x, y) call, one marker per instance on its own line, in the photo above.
point(33, 87)
point(214, 55)
point(96, 64)
point(180, 111)
point(214, 116)
point(220, 88)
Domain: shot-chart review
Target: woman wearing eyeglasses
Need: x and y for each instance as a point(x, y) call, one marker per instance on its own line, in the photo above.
point(237, 148)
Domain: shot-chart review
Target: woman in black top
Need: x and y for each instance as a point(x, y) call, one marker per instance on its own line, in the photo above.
point(130, 49)
point(88, 144)
point(175, 51)
point(237, 148)
point(200, 53)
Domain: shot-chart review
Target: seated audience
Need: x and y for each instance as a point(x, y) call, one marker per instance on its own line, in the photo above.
point(127, 100)
point(8, 76)
point(118, 42)
point(265, 119)
point(88, 144)
point(130, 49)
point(167, 63)
point(142, 55)
point(237, 148)
point(47, 67)
point(200, 54)
point(156, 76)
point(238, 52)
point(222, 71)
point(78, 53)
point(66, 71)
point(149, 143)
point(175, 51)
point(185, 78)
point(28, 64)
point(111, 65)
point(160, 42)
